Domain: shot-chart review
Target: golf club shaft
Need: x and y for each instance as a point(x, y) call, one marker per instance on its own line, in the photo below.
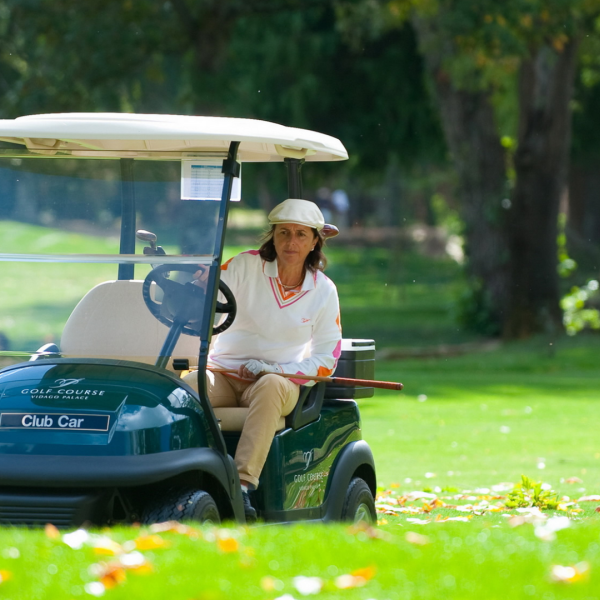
point(384, 385)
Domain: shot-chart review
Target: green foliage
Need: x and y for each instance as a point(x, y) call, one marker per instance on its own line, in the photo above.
point(566, 265)
point(445, 215)
point(509, 28)
point(474, 310)
point(281, 61)
point(577, 316)
point(586, 115)
point(66, 56)
point(529, 493)
point(302, 69)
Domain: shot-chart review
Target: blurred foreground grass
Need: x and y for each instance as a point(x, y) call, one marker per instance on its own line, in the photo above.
point(457, 560)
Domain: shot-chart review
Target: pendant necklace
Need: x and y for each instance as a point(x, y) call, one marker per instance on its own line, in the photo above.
point(291, 287)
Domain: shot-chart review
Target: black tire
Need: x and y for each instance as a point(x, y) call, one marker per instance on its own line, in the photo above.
point(359, 504)
point(182, 505)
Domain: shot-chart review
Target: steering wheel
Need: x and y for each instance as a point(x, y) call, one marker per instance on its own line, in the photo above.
point(183, 303)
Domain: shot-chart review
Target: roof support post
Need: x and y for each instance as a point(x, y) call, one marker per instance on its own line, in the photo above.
point(127, 216)
point(231, 169)
point(294, 165)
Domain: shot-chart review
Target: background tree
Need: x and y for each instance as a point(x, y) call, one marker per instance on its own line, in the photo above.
point(500, 73)
point(283, 60)
point(477, 54)
point(583, 226)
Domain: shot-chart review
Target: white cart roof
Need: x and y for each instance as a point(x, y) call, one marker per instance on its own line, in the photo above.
point(175, 136)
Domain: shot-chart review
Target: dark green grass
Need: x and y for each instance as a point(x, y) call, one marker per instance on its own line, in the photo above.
point(398, 299)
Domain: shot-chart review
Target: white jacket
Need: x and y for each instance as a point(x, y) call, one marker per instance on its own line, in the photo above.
point(300, 330)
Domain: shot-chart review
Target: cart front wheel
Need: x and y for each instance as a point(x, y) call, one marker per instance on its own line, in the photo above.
point(182, 505)
point(359, 505)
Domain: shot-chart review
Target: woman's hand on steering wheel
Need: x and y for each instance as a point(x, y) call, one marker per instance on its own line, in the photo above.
point(200, 277)
point(184, 303)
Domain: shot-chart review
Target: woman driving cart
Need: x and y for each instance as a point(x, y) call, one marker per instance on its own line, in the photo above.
point(287, 322)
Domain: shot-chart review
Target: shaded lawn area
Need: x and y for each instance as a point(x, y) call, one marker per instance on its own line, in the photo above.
point(398, 298)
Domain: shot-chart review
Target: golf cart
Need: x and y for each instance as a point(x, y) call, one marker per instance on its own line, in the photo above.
point(100, 428)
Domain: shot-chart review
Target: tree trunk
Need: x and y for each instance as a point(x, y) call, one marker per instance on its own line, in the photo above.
point(541, 161)
point(480, 161)
point(584, 209)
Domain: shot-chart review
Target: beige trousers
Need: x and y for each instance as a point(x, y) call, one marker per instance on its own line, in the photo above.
point(268, 399)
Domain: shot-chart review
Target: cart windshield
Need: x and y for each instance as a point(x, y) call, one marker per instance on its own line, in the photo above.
point(68, 227)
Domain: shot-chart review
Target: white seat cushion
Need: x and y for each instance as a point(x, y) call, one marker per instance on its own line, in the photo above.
point(233, 418)
point(113, 321)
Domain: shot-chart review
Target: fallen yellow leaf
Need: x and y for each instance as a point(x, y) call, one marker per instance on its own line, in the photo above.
point(573, 480)
point(571, 574)
point(416, 538)
point(113, 576)
point(101, 551)
point(106, 546)
point(366, 572)
point(269, 584)
point(5, 576)
point(346, 582)
point(143, 569)
point(228, 545)
point(435, 503)
point(151, 542)
point(440, 519)
point(174, 527)
point(51, 531)
point(355, 579)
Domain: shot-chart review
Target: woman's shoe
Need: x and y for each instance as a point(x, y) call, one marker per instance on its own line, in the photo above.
point(249, 510)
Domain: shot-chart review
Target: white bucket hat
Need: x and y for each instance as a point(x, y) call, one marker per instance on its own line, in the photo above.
point(301, 212)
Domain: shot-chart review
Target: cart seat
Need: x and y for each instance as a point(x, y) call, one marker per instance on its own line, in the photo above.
point(307, 410)
point(112, 321)
point(233, 418)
